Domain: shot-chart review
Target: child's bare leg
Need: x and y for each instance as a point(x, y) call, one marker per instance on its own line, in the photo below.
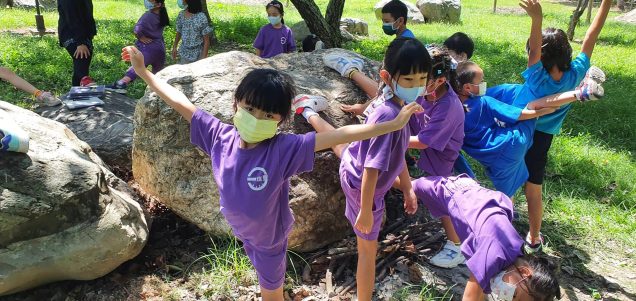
point(365, 274)
point(321, 125)
point(535, 209)
point(450, 230)
point(368, 85)
point(555, 100)
point(275, 295)
point(17, 81)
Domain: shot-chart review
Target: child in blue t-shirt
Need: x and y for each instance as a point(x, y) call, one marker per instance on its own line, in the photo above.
point(499, 134)
point(550, 70)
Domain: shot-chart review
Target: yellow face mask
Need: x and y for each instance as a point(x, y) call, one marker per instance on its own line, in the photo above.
point(251, 129)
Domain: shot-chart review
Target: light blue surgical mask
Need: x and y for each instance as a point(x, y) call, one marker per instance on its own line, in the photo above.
point(181, 4)
point(149, 5)
point(274, 20)
point(409, 95)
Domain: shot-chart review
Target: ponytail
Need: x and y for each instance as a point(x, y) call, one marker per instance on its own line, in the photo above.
point(442, 65)
point(164, 19)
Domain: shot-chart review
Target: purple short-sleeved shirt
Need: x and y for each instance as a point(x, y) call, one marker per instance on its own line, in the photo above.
point(482, 219)
point(253, 183)
point(384, 153)
point(274, 41)
point(442, 129)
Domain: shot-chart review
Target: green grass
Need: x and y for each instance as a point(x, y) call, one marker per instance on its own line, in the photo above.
point(590, 190)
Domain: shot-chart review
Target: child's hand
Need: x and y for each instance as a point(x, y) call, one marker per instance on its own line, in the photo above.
point(405, 114)
point(145, 40)
point(364, 222)
point(410, 202)
point(532, 7)
point(356, 109)
point(134, 56)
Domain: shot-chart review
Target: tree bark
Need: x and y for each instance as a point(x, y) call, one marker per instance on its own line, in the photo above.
point(589, 11)
point(494, 7)
point(576, 16)
point(327, 29)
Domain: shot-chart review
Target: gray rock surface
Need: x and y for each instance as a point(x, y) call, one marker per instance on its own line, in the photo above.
point(414, 15)
point(107, 129)
point(63, 214)
point(629, 17)
point(440, 10)
point(166, 165)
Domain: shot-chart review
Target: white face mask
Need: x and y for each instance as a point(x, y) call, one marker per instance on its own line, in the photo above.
point(482, 89)
point(502, 290)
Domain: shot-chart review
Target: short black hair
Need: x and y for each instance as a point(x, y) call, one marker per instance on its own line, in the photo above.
point(267, 89)
point(405, 56)
point(555, 49)
point(309, 43)
point(544, 284)
point(397, 9)
point(465, 74)
point(460, 43)
point(194, 6)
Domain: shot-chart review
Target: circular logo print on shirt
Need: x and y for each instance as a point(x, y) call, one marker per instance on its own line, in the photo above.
point(257, 179)
point(283, 40)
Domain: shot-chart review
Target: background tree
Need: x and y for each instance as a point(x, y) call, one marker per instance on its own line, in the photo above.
point(327, 28)
point(576, 16)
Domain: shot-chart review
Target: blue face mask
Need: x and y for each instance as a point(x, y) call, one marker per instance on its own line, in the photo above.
point(149, 5)
point(409, 95)
point(274, 20)
point(181, 5)
point(388, 28)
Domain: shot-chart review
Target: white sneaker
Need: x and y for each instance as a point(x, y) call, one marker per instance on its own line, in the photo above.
point(314, 102)
point(342, 63)
point(596, 74)
point(449, 257)
point(590, 87)
point(47, 99)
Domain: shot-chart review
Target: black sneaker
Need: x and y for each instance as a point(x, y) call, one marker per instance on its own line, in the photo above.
point(117, 87)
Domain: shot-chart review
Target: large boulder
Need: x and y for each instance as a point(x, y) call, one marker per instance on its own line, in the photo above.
point(629, 17)
point(414, 15)
point(63, 214)
point(355, 26)
point(349, 29)
point(440, 10)
point(107, 129)
point(166, 165)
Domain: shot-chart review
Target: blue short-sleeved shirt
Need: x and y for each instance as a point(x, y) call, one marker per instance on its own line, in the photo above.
point(539, 83)
point(407, 33)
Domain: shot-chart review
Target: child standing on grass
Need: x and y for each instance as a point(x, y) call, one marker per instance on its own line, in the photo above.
point(76, 29)
point(149, 33)
point(491, 245)
point(550, 70)
point(369, 168)
point(193, 30)
point(252, 164)
point(274, 38)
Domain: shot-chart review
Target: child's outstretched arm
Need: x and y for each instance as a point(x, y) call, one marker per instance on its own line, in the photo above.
point(358, 132)
point(173, 97)
point(533, 8)
point(591, 36)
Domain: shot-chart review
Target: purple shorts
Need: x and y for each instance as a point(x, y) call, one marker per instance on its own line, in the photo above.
point(352, 196)
point(270, 264)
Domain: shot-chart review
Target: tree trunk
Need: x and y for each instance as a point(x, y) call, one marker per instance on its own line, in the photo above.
point(589, 11)
point(576, 15)
point(327, 29)
point(494, 7)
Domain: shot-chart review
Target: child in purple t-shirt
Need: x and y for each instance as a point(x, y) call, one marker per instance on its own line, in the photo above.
point(274, 38)
point(252, 164)
point(491, 245)
point(439, 134)
point(369, 168)
point(149, 33)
